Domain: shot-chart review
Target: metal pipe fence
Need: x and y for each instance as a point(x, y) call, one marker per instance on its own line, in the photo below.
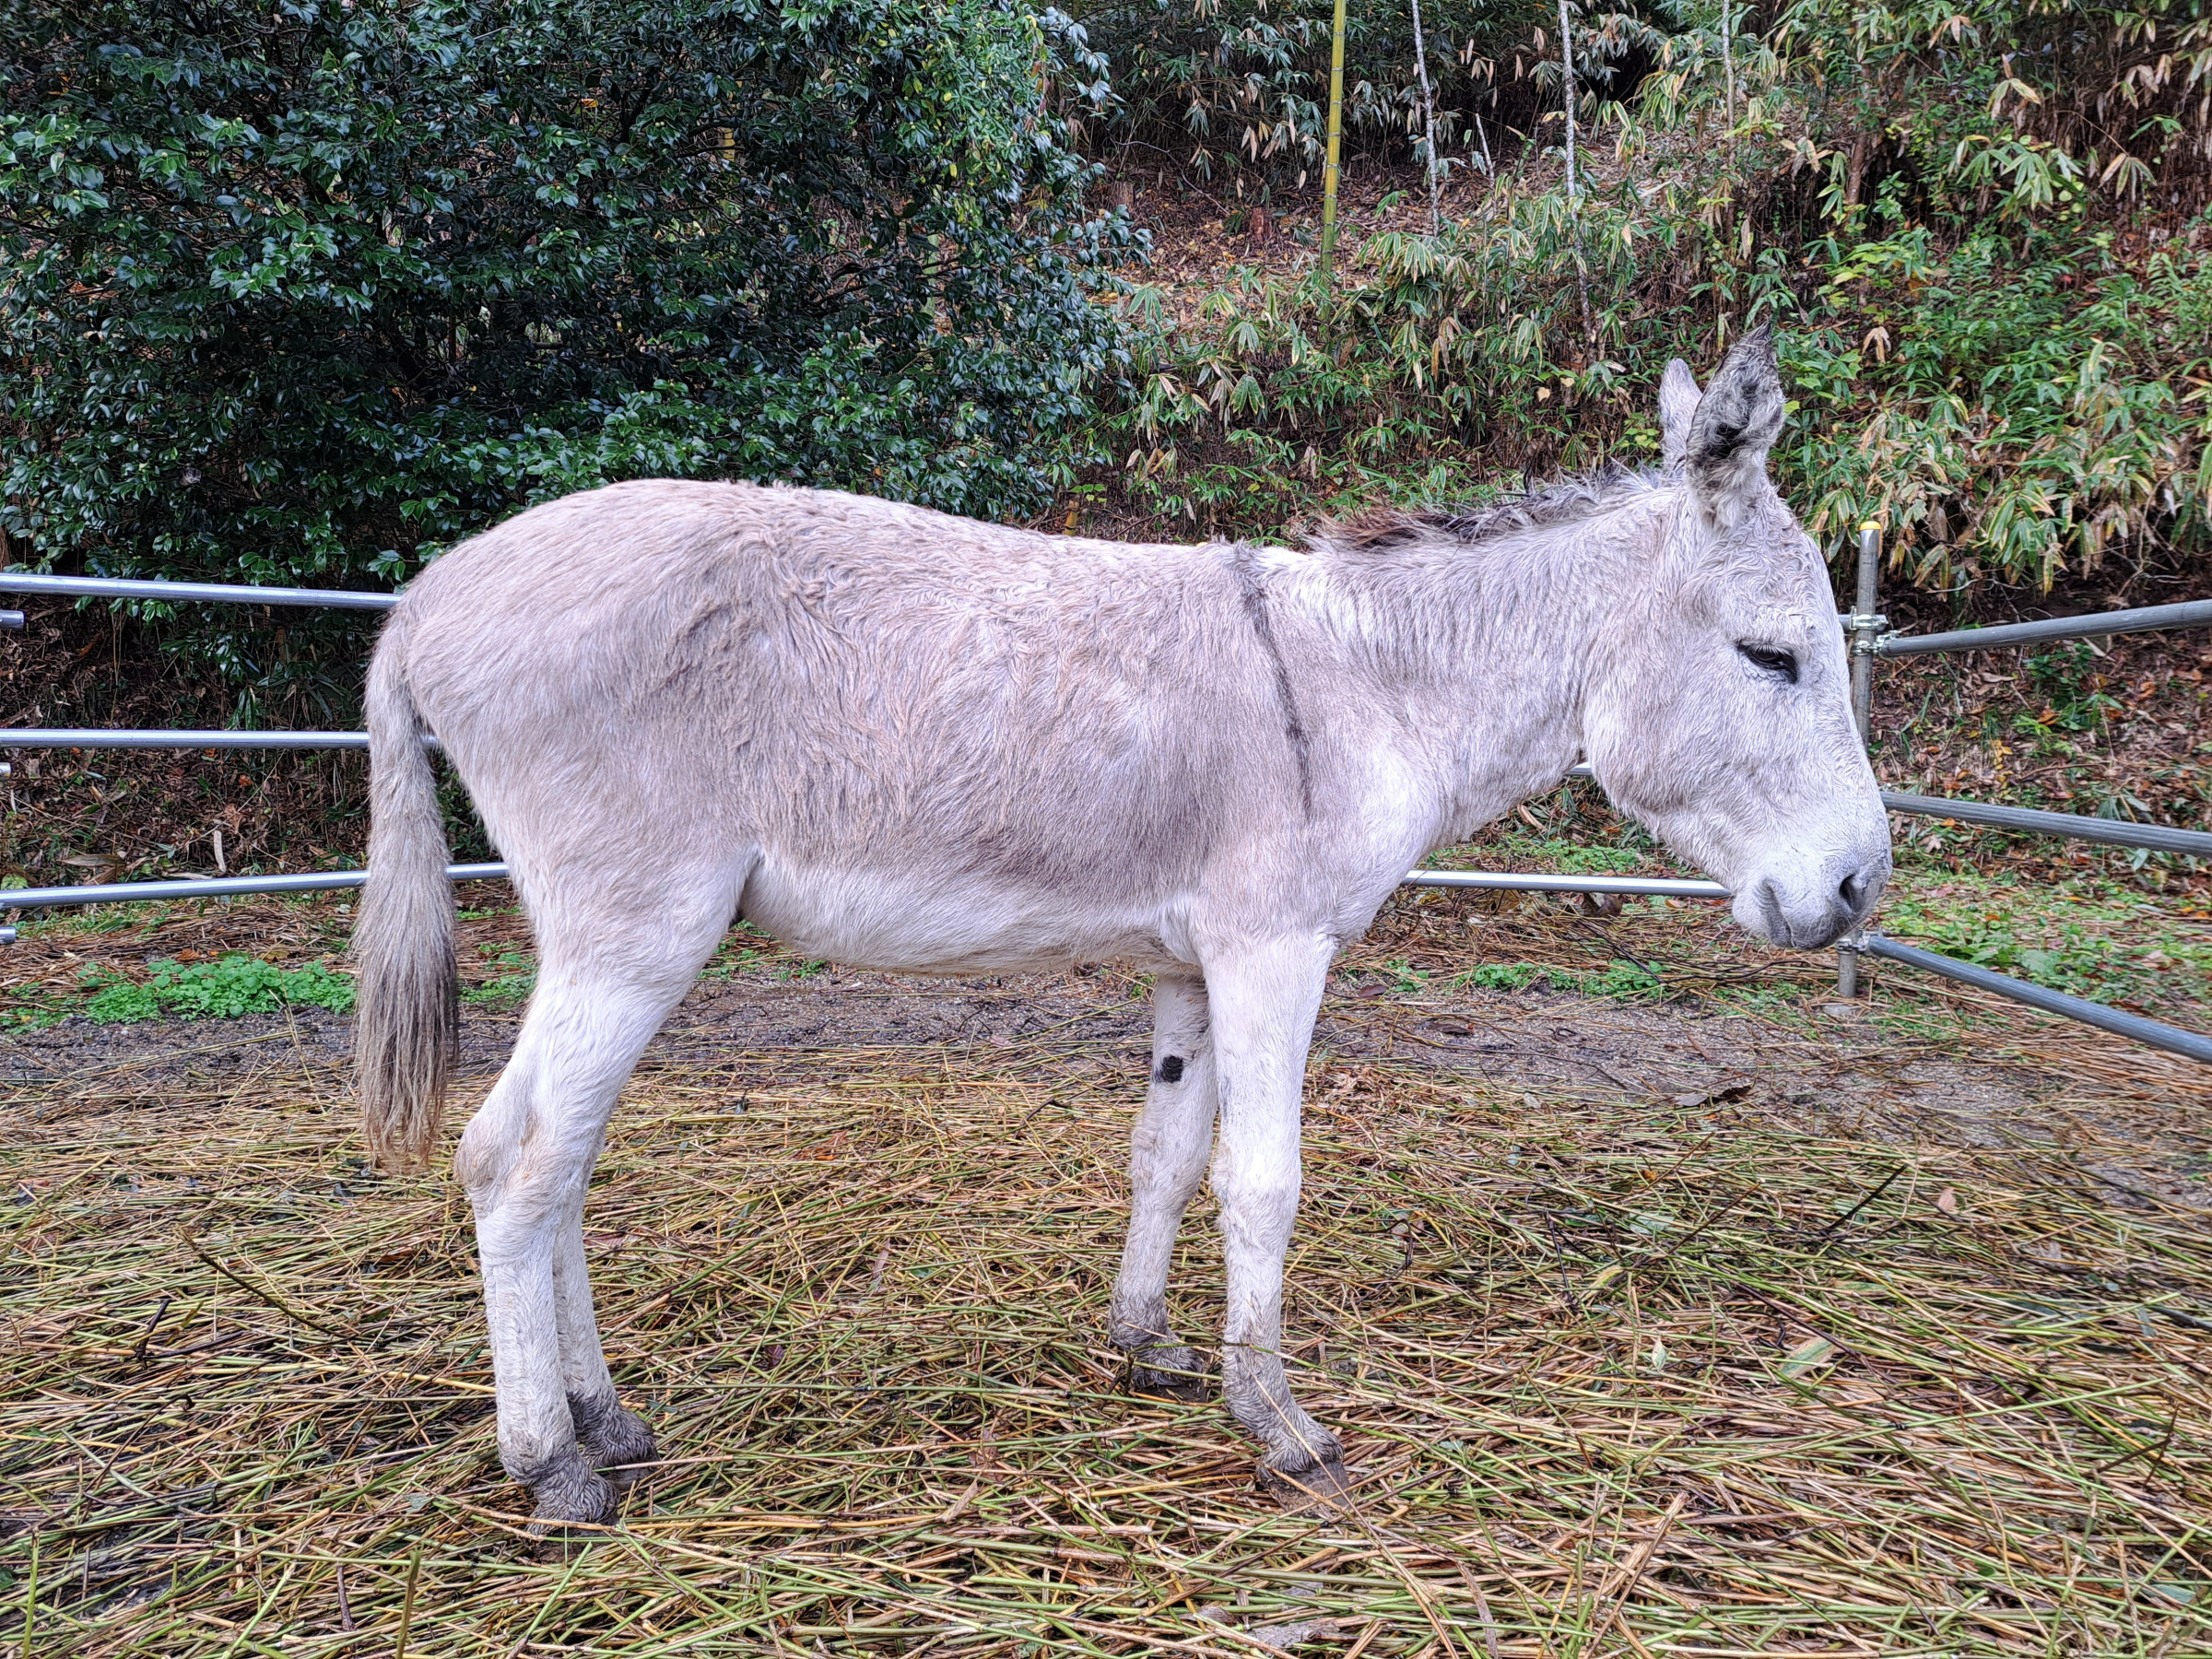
point(207, 887)
point(1657, 886)
point(108, 738)
point(1869, 636)
point(1870, 639)
point(2118, 1021)
point(214, 887)
point(189, 593)
point(2190, 613)
point(2115, 832)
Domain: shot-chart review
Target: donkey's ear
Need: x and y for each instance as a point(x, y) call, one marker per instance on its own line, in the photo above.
point(1678, 396)
point(1735, 424)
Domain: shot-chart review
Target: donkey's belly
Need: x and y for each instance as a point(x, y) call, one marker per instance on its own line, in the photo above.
point(873, 918)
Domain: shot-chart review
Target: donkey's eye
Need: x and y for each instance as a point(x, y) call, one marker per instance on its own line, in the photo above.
point(1783, 662)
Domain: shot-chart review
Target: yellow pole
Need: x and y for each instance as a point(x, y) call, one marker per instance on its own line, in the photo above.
point(1328, 174)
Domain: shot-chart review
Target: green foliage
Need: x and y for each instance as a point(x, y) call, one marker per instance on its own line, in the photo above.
point(1574, 858)
point(1404, 978)
point(220, 990)
point(1501, 976)
point(1239, 88)
point(1996, 350)
point(513, 978)
point(2074, 693)
point(305, 295)
point(2107, 948)
point(1627, 981)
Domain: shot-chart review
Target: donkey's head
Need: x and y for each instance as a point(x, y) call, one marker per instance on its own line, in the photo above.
point(1718, 712)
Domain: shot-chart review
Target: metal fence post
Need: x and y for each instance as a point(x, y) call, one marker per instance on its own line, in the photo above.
point(1865, 625)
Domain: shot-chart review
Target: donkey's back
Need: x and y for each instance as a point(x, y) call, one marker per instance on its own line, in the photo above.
point(897, 738)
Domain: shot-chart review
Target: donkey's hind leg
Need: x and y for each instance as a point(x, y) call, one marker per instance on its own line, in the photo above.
point(1167, 1161)
point(527, 1157)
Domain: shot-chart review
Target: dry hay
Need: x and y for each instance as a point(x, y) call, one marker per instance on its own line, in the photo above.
point(1621, 1378)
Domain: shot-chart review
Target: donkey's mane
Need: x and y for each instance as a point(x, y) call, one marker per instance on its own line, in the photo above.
point(1540, 507)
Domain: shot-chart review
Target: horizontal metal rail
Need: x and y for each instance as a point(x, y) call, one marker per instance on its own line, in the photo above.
point(231, 887)
point(219, 887)
point(2118, 832)
point(102, 738)
point(126, 892)
point(189, 593)
point(1658, 886)
point(2194, 613)
point(2173, 1039)
point(166, 738)
point(2190, 613)
point(2170, 1038)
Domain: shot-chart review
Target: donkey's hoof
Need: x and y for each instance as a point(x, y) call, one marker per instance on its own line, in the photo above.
point(1181, 1372)
point(573, 1497)
point(1319, 1484)
point(619, 1445)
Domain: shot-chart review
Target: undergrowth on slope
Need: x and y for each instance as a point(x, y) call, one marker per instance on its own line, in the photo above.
point(1996, 314)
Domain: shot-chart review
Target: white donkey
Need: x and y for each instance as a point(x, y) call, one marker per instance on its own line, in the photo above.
point(899, 740)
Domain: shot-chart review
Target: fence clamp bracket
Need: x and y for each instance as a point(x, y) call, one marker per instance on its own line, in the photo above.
point(1864, 627)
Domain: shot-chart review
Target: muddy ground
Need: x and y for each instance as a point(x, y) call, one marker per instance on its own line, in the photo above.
point(1838, 1074)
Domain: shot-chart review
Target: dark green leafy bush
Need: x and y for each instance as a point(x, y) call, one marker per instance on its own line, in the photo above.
point(305, 293)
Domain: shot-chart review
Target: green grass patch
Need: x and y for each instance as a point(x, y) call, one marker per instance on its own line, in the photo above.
point(1571, 858)
point(1624, 980)
point(234, 986)
point(515, 976)
point(2093, 939)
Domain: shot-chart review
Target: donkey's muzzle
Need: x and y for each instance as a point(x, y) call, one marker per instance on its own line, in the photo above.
point(1811, 919)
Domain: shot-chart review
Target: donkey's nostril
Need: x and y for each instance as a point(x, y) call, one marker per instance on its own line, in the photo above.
point(1858, 888)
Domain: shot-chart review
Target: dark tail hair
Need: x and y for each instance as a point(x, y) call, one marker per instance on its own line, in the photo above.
point(406, 1034)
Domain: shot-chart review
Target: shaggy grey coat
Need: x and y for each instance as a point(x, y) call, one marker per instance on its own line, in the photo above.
point(901, 740)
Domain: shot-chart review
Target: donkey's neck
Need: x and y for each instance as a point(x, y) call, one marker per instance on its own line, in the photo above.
point(1483, 651)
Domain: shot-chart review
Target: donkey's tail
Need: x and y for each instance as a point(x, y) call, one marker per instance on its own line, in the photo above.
point(407, 1033)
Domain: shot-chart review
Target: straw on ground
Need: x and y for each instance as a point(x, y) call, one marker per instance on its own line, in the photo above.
point(1621, 1377)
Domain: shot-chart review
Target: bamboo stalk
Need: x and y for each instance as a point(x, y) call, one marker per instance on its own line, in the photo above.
point(1329, 166)
point(1420, 67)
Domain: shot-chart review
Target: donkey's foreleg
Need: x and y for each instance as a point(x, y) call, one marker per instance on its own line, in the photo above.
point(613, 1441)
point(1167, 1161)
point(1264, 1002)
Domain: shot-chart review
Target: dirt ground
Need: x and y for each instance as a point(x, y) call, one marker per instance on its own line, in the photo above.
point(1650, 1328)
point(1719, 1318)
point(1837, 1072)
